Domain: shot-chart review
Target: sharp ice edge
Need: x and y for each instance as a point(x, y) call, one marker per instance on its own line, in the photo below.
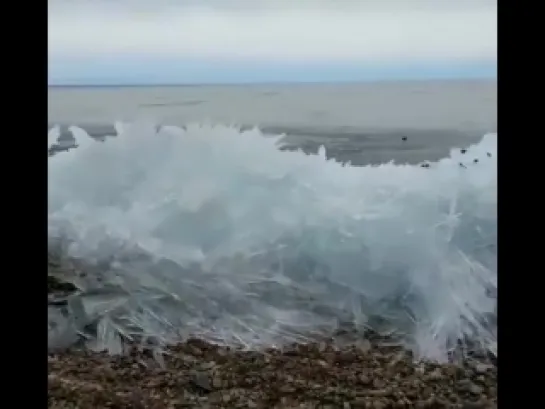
point(214, 232)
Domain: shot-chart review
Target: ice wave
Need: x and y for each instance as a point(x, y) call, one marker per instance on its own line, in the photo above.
point(213, 231)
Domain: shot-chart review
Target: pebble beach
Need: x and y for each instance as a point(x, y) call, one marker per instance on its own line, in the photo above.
point(197, 374)
point(367, 372)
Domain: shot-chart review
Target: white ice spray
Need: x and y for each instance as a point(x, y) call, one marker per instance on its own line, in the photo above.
point(213, 231)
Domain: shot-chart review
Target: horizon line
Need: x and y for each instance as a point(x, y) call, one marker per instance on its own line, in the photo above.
point(347, 82)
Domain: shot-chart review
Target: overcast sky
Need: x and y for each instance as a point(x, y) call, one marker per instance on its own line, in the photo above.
point(208, 41)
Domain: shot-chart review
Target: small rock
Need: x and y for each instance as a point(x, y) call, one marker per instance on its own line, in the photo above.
point(195, 351)
point(286, 389)
point(322, 363)
point(364, 346)
point(217, 382)
point(379, 405)
point(221, 351)
point(346, 357)
point(475, 389)
point(378, 383)
point(436, 375)
point(322, 346)
point(400, 404)
point(475, 405)
point(201, 380)
point(359, 403)
point(207, 365)
point(364, 379)
point(481, 368)
point(464, 384)
point(380, 393)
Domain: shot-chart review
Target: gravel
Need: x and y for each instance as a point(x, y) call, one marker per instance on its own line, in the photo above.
point(198, 374)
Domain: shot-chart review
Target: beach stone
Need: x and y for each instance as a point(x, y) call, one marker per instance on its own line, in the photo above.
point(482, 368)
point(201, 380)
point(475, 389)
